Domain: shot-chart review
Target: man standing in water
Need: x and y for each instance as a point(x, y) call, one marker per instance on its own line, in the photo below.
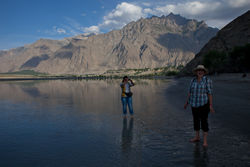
point(200, 99)
point(127, 95)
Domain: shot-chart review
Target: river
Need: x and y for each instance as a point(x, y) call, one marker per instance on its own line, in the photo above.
point(80, 123)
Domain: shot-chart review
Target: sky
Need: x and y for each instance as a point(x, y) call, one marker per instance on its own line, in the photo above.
point(25, 21)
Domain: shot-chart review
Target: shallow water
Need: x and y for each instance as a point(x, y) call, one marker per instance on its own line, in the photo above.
point(80, 123)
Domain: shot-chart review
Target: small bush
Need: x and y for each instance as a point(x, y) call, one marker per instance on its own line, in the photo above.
point(171, 73)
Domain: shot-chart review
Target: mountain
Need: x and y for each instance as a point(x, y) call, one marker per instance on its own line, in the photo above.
point(30, 55)
point(147, 43)
point(228, 51)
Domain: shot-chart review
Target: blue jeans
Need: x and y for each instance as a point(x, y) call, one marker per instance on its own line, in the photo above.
point(127, 101)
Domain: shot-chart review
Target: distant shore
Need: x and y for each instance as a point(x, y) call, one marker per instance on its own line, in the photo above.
point(164, 72)
point(5, 77)
point(17, 77)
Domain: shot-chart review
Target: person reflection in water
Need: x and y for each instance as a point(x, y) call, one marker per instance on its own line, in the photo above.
point(127, 134)
point(200, 156)
point(126, 96)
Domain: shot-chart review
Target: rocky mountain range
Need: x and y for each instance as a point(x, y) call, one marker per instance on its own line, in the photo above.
point(226, 45)
point(147, 43)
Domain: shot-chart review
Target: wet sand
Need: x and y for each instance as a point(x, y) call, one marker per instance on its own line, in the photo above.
point(229, 135)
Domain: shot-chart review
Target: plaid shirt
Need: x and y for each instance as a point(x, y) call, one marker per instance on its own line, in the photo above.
point(199, 91)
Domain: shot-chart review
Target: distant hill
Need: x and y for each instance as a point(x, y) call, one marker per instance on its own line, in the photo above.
point(167, 41)
point(228, 51)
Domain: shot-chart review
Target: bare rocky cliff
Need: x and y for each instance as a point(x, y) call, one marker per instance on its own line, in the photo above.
point(147, 43)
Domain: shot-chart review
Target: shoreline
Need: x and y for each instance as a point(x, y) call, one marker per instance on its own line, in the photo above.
point(16, 77)
point(23, 78)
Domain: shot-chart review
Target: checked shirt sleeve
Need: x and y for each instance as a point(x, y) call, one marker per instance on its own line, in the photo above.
point(209, 86)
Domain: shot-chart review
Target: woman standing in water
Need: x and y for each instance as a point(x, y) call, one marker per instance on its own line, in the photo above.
point(127, 95)
point(200, 99)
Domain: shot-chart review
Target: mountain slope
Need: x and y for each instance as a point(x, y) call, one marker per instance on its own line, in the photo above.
point(234, 34)
point(147, 43)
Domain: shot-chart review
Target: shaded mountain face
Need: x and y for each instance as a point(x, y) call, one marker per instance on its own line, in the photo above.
point(222, 48)
point(147, 43)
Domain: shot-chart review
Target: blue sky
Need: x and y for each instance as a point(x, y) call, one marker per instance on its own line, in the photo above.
point(25, 21)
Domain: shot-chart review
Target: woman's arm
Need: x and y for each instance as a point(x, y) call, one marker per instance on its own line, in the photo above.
point(209, 93)
point(210, 99)
point(189, 93)
point(186, 104)
point(132, 83)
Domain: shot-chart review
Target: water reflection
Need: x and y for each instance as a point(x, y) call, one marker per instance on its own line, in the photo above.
point(89, 96)
point(130, 150)
point(82, 118)
point(127, 134)
point(200, 156)
point(78, 123)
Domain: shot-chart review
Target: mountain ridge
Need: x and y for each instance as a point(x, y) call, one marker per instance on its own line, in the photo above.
point(147, 43)
point(234, 34)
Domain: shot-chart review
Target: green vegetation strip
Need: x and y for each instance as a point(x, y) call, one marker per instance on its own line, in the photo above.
point(237, 60)
point(113, 74)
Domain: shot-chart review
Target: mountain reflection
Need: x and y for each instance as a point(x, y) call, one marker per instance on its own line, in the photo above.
point(95, 96)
